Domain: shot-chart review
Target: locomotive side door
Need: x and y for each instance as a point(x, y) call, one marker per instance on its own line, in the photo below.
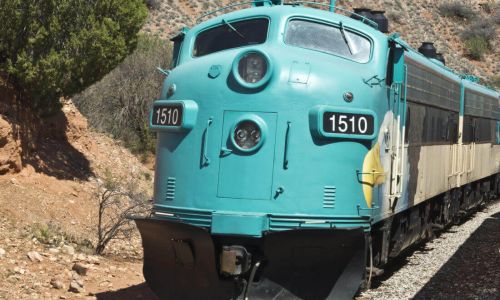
point(246, 168)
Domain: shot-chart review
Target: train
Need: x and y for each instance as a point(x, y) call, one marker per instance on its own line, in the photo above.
point(300, 148)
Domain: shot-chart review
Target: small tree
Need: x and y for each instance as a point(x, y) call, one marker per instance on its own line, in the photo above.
point(54, 48)
point(116, 202)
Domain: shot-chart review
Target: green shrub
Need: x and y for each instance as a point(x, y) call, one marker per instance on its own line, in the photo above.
point(51, 49)
point(51, 234)
point(479, 37)
point(495, 81)
point(476, 46)
point(119, 104)
point(456, 9)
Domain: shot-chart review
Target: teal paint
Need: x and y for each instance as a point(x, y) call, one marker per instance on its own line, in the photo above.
point(398, 65)
point(214, 71)
point(241, 224)
point(498, 132)
point(232, 192)
point(236, 182)
point(332, 5)
point(256, 165)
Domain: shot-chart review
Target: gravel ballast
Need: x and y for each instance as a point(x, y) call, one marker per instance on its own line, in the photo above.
point(462, 263)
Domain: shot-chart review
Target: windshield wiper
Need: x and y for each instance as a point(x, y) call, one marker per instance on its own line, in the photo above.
point(342, 31)
point(232, 28)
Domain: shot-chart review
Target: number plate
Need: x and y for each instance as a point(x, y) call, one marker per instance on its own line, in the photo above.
point(167, 115)
point(347, 123)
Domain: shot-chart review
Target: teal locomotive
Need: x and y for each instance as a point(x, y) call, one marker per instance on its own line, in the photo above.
point(300, 147)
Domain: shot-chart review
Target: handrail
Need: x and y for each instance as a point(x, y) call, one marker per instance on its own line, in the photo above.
point(231, 6)
point(206, 159)
point(325, 4)
point(293, 3)
point(287, 146)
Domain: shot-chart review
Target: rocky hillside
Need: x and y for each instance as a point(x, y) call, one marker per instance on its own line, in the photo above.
point(51, 171)
point(416, 21)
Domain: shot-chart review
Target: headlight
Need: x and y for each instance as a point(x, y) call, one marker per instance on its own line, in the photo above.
point(252, 68)
point(247, 135)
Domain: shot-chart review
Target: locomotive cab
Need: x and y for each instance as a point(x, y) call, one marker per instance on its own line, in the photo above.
point(265, 180)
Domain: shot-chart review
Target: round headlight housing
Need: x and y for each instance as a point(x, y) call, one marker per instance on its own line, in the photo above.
point(248, 133)
point(252, 69)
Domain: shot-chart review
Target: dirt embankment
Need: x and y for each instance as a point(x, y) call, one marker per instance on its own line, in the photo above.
point(50, 170)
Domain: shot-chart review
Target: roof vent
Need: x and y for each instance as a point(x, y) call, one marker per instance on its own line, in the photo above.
point(376, 16)
point(428, 50)
point(379, 18)
point(363, 12)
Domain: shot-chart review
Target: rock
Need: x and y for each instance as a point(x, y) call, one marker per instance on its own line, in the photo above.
point(2, 253)
point(76, 288)
point(54, 251)
point(57, 284)
point(19, 270)
point(93, 260)
point(35, 256)
point(80, 269)
point(10, 149)
point(80, 257)
point(68, 250)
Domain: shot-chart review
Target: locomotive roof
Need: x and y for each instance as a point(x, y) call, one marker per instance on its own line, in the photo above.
point(284, 12)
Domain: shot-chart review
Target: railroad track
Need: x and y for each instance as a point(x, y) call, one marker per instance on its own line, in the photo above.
point(462, 262)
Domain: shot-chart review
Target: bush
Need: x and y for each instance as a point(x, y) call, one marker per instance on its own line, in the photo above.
point(53, 235)
point(119, 104)
point(478, 38)
point(50, 49)
point(116, 201)
point(153, 4)
point(495, 81)
point(456, 9)
point(476, 46)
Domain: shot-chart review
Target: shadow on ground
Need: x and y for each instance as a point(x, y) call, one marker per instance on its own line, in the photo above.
point(140, 291)
point(473, 271)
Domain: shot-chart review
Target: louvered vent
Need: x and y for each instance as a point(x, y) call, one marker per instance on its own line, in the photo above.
point(329, 197)
point(170, 189)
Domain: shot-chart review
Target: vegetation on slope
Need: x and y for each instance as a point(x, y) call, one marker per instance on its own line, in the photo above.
point(50, 49)
point(119, 103)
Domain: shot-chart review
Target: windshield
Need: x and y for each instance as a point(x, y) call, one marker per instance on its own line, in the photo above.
point(329, 39)
point(231, 35)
